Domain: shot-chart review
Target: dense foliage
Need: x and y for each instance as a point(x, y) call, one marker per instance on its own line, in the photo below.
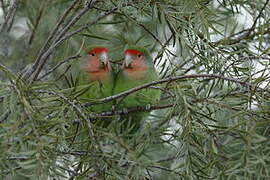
point(212, 121)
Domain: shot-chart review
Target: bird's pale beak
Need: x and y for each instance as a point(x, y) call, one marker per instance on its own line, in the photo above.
point(127, 61)
point(104, 59)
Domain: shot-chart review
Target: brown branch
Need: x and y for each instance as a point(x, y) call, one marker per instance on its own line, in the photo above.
point(148, 108)
point(74, 20)
point(59, 64)
point(259, 15)
point(42, 59)
point(40, 13)
point(140, 24)
point(248, 33)
point(53, 33)
point(4, 9)
point(126, 111)
point(45, 56)
point(9, 18)
point(101, 16)
point(166, 169)
point(171, 79)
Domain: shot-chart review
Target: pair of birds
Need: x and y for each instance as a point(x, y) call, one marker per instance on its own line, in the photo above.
point(97, 78)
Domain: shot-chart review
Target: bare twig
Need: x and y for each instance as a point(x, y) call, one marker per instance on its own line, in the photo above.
point(165, 169)
point(140, 24)
point(59, 64)
point(45, 56)
point(164, 90)
point(12, 17)
point(6, 26)
point(4, 8)
point(134, 109)
point(40, 13)
point(247, 33)
point(171, 79)
point(53, 32)
point(259, 15)
point(101, 16)
point(74, 20)
point(148, 31)
point(41, 60)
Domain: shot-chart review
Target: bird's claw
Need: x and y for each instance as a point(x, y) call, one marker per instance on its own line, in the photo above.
point(113, 108)
point(125, 111)
point(148, 107)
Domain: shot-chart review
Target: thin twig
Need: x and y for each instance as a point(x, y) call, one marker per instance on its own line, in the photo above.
point(74, 20)
point(12, 17)
point(58, 65)
point(101, 16)
point(259, 15)
point(165, 169)
point(40, 13)
point(248, 34)
point(134, 109)
point(4, 9)
point(53, 32)
point(164, 90)
point(140, 24)
point(6, 26)
point(43, 59)
point(45, 56)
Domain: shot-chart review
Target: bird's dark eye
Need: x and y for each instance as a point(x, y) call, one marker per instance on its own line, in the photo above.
point(92, 54)
point(139, 55)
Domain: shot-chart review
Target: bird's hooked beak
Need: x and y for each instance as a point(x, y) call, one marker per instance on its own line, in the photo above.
point(104, 59)
point(127, 61)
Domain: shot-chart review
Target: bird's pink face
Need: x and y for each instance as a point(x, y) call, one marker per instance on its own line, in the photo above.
point(134, 60)
point(134, 64)
point(97, 65)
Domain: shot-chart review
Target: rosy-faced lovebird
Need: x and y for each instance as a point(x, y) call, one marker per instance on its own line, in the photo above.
point(137, 69)
point(93, 78)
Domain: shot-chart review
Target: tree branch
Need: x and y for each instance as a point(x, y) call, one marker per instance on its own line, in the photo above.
point(9, 18)
point(4, 9)
point(40, 62)
point(38, 18)
point(59, 64)
point(59, 40)
point(134, 109)
point(171, 79)
point(248, 33)
point(54, 32)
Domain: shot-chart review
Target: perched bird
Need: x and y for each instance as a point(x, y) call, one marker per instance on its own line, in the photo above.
point(137, 69)
point(93, 78)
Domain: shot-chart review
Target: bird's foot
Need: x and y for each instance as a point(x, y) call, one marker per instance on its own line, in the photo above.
point(125, 111)
point(148, 107)
point(113, 108)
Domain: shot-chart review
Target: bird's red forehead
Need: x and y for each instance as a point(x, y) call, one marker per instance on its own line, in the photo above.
point(133, 51)
point(98, 50)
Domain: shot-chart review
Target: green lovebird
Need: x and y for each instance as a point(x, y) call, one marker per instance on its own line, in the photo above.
point(93, 78)
point(137, 69)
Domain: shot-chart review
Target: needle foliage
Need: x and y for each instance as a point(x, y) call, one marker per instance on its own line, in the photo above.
point(211, 122)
